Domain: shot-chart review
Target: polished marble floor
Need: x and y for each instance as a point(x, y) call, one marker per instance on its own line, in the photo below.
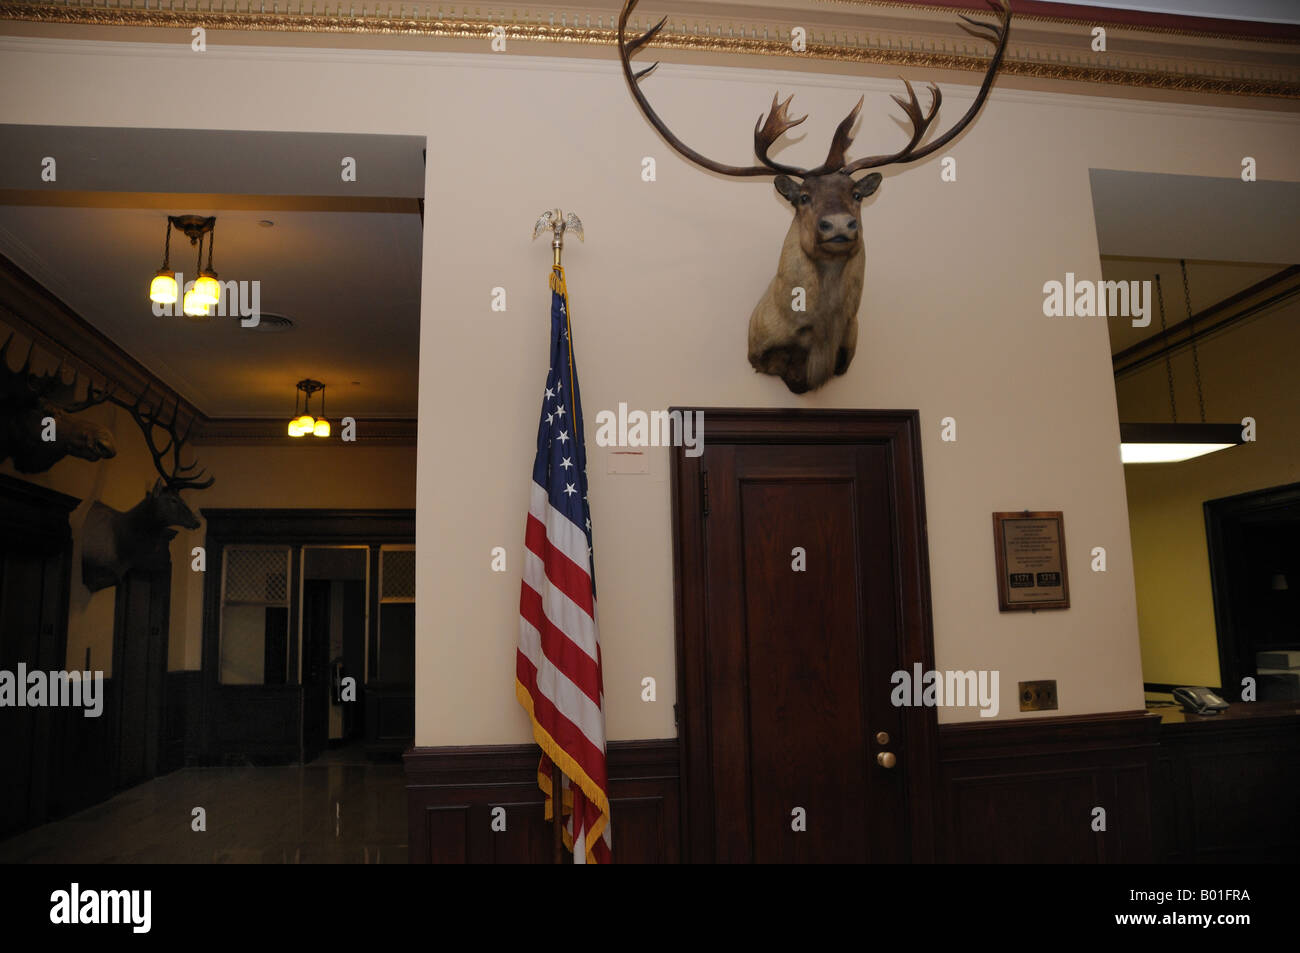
point(336, 810)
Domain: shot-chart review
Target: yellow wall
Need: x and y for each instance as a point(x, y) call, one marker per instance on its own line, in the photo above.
point(336, 475)
point(951, 324)
point(1248, 371)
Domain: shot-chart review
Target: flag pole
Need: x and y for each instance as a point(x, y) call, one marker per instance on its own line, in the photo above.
point(555, 220)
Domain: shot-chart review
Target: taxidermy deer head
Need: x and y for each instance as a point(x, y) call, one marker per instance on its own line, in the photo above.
point(113, 542)
point(805, 327)
point(28, 401)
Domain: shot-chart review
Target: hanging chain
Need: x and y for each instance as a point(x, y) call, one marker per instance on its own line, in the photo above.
point(1196, 358)
point(212, 240)
point(1169, 367)
point(167, 244)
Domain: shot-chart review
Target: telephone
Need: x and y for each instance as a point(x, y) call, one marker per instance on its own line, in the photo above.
point(1200, 701)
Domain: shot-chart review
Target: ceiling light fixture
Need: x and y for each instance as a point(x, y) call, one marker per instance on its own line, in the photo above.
point(1174, 442)
point(303, 424)
point(205, 290)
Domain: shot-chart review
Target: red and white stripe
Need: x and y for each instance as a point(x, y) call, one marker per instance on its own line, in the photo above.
point(558, 670)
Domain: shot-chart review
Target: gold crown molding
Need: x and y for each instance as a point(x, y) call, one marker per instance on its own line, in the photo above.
point(1062, 21)
point(713, 40)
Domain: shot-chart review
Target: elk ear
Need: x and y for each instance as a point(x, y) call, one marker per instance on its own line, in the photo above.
point(158, 487)
point(864, 187)
point(788, 188)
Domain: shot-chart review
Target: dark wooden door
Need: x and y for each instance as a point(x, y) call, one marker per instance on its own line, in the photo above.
point(800, 599)
point(140, 671)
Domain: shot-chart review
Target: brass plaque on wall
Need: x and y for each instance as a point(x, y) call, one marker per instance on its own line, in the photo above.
point(1030, 550)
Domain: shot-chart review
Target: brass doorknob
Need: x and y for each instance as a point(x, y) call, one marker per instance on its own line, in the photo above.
point(886, 759)
point(882, 737)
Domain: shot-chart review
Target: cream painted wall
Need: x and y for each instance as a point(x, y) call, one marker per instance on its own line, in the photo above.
point(1248, 371)
point(951, 319)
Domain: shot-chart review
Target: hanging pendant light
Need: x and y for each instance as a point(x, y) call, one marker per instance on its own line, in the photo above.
point(1174, 442)
point(163, 287)
point(205, 291)
point(303, 424)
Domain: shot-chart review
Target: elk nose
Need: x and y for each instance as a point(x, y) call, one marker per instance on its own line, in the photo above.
point(841, 227)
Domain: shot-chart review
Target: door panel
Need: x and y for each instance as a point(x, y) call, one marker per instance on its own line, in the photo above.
point(793, 619)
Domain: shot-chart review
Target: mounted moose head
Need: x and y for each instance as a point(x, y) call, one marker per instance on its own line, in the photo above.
point(27, 401)
point(113, 542)
point(823, 253)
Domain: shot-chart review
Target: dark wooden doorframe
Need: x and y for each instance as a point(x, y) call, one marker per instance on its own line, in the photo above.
point(899, 432)
point(1223, 523)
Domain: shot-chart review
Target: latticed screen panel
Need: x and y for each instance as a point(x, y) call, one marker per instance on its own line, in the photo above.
point(257, 575)
point(397, 574)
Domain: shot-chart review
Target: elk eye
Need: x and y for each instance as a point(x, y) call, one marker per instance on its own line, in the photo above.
point(805, 199)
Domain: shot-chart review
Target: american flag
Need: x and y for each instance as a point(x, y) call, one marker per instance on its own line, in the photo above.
point(558, 670)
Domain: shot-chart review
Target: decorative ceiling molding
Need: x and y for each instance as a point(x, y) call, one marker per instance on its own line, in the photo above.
point(885, 34)
point(32, 310)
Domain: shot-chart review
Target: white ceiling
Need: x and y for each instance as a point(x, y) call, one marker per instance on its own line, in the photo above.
point(1154, 215)
point(344, 267)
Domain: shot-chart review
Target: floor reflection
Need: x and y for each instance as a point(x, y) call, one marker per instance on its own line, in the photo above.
point(321, 813)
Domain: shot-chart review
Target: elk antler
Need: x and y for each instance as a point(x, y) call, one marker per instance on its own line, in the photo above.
point(148, 417)
point(920, 125)
point(766, 132)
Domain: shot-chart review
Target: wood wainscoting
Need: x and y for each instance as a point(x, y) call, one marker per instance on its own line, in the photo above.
point(1175, 788)
point(1025, 790)
point(451, 793)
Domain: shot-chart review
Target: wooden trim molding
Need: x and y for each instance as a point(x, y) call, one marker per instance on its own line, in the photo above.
point(1198, 60)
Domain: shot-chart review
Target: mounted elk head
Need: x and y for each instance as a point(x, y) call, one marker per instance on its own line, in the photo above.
point(805, 327)
point(113, 542)
point(37, 426)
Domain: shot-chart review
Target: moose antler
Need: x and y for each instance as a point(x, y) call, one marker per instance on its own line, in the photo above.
point(766, 132)
point(147, 416)
point(50, 386)
point(64, 395)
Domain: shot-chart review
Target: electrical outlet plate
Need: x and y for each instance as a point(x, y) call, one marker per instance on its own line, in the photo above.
point(1038, 696)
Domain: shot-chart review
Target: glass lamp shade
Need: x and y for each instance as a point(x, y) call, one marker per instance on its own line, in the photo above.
point(306, 423)
point(163, 287)
point(321, 428)
point(207, 289)
point(294, 429)
point(193, 306)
